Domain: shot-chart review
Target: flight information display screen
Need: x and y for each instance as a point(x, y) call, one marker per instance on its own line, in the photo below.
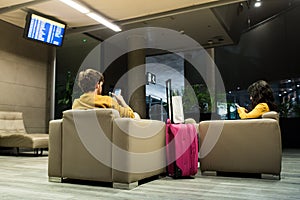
point(44, 29)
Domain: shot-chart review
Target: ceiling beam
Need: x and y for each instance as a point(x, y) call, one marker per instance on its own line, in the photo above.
point(156, 16)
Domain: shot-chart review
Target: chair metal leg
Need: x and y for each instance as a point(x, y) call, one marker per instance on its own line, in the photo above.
point(55, 179)
point(17, 151)
point(271, 176)
point(127, 186)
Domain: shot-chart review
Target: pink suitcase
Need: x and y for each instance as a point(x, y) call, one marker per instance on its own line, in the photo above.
point(181, 150)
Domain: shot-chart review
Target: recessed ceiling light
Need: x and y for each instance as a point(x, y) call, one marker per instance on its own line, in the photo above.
point(104, 21)
point(210, 42)
point(257, 4)
point(96, 16)
point(76, 6)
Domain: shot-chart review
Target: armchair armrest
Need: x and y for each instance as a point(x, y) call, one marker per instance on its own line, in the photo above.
point(271, 115)
point(138, 149)
point(55, 147)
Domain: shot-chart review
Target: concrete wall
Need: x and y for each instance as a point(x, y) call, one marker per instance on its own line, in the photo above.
point(24, 74)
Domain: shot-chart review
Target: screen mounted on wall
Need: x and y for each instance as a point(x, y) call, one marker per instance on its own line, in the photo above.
point(44, 29)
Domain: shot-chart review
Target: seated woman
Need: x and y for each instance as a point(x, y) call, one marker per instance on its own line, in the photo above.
point(262, 98)
point(90, 82)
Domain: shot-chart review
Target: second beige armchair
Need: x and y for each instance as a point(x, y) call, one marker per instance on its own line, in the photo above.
point(243, 146)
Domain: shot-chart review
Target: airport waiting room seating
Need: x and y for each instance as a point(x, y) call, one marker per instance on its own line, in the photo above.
point(13, 134)
point(98, 145)
point(241, 146)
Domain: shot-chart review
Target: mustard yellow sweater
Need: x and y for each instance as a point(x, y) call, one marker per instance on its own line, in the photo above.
point(257, 112)
point(90, 100)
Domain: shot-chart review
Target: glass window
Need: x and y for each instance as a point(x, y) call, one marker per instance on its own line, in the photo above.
point(163, 67)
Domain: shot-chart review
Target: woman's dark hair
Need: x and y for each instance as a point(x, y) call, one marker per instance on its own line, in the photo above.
point(88, 79)
point(261, 92)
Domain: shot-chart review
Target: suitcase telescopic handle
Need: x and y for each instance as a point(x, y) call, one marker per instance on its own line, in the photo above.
point(169, 99)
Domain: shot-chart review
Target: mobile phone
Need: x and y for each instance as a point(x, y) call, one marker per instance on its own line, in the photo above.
point(117, 91)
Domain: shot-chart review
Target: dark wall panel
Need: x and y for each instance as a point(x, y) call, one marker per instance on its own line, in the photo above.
point(269, 51)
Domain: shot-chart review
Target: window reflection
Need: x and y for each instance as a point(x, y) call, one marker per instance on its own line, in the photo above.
point(286, 93)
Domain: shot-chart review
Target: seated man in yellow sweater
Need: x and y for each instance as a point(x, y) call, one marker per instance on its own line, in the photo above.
point(90, 81)
point(262, 98)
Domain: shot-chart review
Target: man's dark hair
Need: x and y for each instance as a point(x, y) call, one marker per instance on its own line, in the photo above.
point(88, 79)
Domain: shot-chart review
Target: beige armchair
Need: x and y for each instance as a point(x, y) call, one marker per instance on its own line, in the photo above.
point(243, 146)
point(98, 145)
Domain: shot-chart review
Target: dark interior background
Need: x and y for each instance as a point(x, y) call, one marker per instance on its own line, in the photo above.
point(268, 51)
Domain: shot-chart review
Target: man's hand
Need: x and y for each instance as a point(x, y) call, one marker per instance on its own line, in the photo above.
point(120, 100)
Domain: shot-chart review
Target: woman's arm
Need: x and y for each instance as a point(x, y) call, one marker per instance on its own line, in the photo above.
point(255, 113)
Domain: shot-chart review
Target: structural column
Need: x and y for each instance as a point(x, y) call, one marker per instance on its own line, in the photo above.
point(211, 78)
point(136, 75)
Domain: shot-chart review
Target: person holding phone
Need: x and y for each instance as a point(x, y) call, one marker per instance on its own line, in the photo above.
point(90, 82)
point(262, 98)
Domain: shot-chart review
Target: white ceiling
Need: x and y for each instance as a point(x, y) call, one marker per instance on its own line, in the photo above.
point(194, 17)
